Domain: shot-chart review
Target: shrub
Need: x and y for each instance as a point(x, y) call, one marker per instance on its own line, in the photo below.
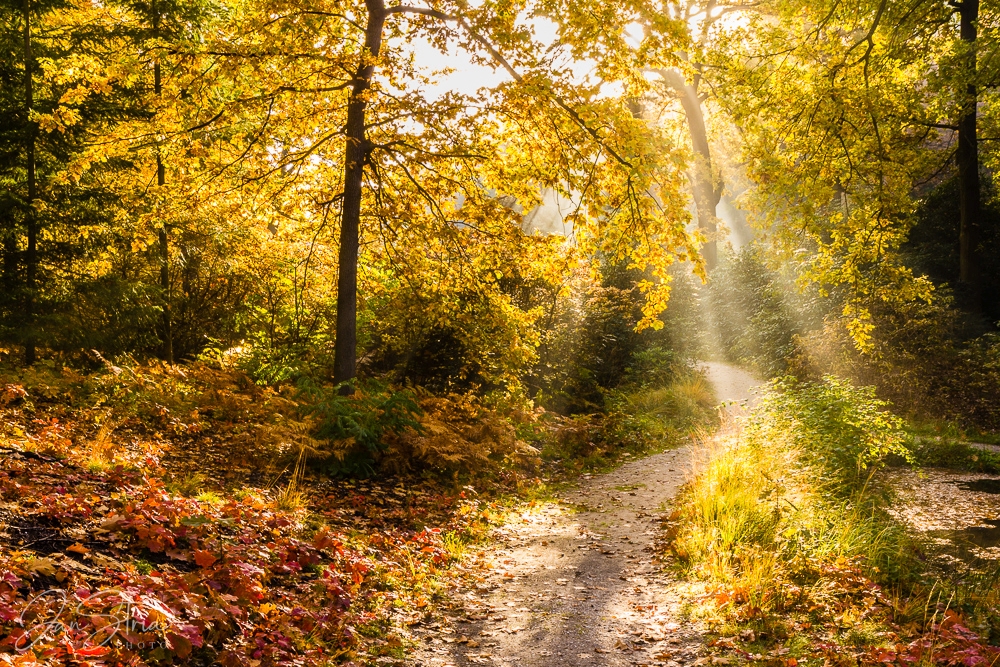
point(591, 344)
point(357, 426)
point(845, 430)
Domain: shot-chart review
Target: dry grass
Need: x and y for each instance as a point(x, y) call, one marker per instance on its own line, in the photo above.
point(99, 451)
point(292, 497)
point(754, 509)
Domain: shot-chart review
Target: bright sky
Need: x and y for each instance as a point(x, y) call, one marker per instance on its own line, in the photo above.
point(468, 77)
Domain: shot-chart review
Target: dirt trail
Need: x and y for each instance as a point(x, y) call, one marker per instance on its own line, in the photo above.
point(573, 582)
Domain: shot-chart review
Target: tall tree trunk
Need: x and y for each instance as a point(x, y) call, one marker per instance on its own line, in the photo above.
point(355, 156)
point(31, 222)
point(9, 271)
point(707, 191)
point(164, 248)
point(967, 158)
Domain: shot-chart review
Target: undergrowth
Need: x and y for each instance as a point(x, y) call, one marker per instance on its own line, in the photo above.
point(786, 524)
point(275, 525)
point(642, 417)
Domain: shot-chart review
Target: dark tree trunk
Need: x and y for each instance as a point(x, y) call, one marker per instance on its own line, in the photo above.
point(164, 247)
point(10, 259)
point(356, 154)
point(31, 222)
point(967, 158)
point(707, 191)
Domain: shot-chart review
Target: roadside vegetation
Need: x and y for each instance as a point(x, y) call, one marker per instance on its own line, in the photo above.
point(791, 521)
point(788, 523)
point(202, 513)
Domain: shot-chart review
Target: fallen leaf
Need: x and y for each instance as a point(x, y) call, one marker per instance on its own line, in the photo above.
point(43, 566)
point(204, 558)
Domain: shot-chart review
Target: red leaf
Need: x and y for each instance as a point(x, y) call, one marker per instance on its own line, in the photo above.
point(181, 646)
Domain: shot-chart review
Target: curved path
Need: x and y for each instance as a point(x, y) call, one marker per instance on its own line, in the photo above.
point(574, 582)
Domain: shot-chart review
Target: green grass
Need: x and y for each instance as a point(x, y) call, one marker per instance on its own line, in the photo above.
point(791, 551)
point(923, 427)
point(942, 452)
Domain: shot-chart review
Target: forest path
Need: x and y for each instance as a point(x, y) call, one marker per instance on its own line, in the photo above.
point(573, 581)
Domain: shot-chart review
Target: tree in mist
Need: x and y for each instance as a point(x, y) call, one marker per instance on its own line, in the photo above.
point(845, 110)
point(687, 83)
point(541, 124)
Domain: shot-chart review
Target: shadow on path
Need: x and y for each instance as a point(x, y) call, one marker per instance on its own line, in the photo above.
point(574, 582)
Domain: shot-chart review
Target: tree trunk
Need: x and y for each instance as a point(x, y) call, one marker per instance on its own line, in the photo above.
point(31, 223)
point(967, 158)
point(355, 156)
point(707, 192)
point(168, 338)
point(164, 248)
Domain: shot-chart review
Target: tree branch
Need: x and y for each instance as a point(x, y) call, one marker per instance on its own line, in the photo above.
point(499, 59)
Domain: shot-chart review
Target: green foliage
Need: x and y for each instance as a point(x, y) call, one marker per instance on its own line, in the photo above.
point(756, 314)
point(357, 425)
point(931, 453)
point(932, 247)
point(655, 366)
point(591, 344)
point(845, 430)
point(637, 420)
point(920, 360)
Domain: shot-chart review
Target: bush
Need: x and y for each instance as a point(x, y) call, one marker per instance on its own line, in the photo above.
point(357, 426)
point(844, 430)
point(591, 345)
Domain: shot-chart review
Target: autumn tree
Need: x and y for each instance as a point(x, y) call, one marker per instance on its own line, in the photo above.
point(692, 82)
point(846, 108)
point(55, 213)
point(462, 164)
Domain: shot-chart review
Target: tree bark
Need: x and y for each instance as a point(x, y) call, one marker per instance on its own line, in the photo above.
point(967, 158)
point(31, 222)
point(356, 154)
point(707, 191)
point(164, 247)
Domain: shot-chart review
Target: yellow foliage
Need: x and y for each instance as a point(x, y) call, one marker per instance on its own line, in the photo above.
point(459, 435)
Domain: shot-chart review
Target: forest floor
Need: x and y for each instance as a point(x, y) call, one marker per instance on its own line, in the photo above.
point(576, 580)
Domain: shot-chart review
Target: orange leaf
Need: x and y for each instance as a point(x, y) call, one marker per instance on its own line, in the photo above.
point(203, 558)
point(78, 548)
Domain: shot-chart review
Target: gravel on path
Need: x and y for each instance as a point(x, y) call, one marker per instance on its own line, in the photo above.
point(575, 581)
